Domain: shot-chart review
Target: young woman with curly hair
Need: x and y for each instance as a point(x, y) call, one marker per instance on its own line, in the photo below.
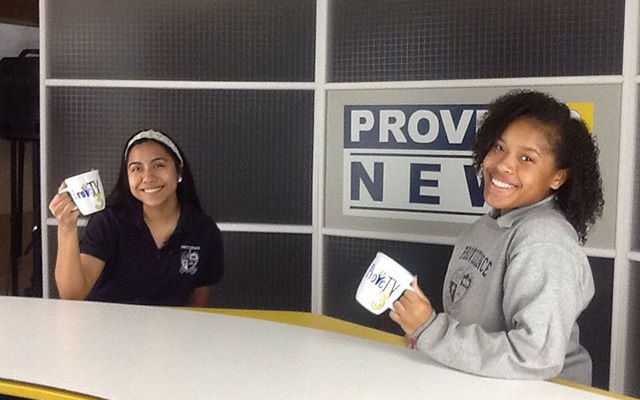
point(518, 278)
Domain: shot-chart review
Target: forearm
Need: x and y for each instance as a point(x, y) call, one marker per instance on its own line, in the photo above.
point(70, 276)
point(200, 296)
point(505, 354)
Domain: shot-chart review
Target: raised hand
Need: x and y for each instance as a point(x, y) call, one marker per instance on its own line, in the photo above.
point(64, 209)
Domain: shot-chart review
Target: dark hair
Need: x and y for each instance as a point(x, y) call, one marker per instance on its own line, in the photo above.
point(580, 197)
point(121, 196)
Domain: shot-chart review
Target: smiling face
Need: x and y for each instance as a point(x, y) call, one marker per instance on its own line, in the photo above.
point(152, 174)
point(521, 169)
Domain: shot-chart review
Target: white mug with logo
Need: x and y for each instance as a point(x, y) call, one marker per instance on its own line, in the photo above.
point(87, 191)
point(383, 283)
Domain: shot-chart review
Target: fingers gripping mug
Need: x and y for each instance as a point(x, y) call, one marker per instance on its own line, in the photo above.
point(383, 283)
point(87, 192)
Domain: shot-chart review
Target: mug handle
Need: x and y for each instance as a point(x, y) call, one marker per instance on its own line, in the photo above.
point(67, 190)
point(402, 293)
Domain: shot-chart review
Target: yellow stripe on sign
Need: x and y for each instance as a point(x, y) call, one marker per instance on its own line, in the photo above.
point(585, 110)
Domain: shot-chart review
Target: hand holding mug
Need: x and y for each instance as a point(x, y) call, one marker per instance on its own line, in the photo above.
point(382, 284)
point(412, 309)
point(63, 208)
point(84, 193)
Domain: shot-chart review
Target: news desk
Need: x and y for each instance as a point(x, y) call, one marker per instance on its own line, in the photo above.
point(58, 349)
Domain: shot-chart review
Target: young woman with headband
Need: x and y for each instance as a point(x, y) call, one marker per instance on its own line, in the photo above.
point(152, 244)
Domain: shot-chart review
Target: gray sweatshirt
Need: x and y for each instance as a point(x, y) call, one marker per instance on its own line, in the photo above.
point(514, 289)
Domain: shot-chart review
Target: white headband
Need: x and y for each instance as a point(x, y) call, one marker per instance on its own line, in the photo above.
point(157, 136)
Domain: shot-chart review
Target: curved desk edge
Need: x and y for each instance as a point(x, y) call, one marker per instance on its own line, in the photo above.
point(348, 328)
point(592, 389)
point(305, 319)
point(310, 320)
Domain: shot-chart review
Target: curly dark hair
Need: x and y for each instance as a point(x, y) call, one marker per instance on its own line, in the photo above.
point(121, 196)
point(580, 197)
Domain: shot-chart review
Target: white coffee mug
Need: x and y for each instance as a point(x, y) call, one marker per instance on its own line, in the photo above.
point(87, 191)
point(383, 283)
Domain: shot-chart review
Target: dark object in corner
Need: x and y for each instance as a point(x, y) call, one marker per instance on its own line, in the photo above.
point(20, 123)
point(20, 96)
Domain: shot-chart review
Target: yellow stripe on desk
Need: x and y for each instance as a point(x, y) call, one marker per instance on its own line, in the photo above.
point(592, 389)
point(313, 321)
point(36, 392)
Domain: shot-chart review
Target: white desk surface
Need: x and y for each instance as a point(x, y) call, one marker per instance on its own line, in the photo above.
point(124, 352)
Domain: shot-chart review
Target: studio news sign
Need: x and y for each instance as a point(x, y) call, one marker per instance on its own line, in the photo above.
point(415, 161)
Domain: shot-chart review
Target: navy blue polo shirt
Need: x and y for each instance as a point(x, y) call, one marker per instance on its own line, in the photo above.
point(136, 271)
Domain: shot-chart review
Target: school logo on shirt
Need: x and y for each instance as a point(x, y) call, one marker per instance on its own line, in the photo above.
point(477, 258)
point(460, 284)
point(189, 259)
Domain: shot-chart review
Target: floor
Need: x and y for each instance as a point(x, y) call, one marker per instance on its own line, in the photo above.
point(25, 262)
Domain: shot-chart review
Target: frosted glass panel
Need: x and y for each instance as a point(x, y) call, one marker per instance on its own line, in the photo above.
point(265, 271)
point(244, 40)
point(462, 39)
point(251, 152)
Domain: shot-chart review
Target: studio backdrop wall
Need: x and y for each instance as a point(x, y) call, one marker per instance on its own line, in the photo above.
point(276, 105)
